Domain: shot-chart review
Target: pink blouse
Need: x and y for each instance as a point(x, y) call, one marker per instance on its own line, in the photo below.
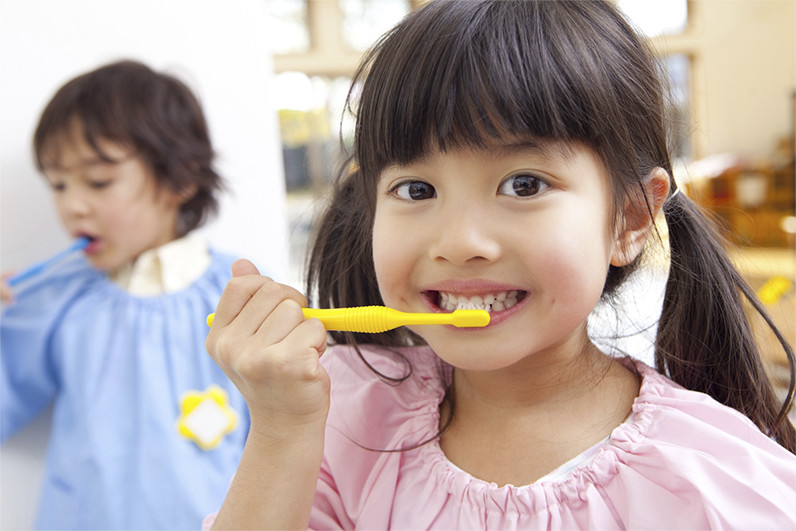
point(682, 461)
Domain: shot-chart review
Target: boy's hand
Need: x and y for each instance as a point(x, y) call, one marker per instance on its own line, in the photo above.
point(271, 353)
point(6, 292)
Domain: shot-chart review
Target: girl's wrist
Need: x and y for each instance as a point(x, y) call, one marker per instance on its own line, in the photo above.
point(287, 429)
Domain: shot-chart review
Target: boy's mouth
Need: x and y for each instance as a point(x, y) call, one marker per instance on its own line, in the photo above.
point(491, 302)
point(92, 246)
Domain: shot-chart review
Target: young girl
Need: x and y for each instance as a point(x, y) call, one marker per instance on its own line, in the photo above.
point(146, 430)
point(510, 155)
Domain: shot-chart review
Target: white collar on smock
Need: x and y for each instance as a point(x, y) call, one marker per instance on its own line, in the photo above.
point(166, 269)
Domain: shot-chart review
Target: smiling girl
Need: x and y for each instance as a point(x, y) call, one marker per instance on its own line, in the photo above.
point(114, 339)
point(512, 156)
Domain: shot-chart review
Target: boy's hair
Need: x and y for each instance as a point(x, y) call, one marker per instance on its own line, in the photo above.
point(467, 73)
point(155, 115)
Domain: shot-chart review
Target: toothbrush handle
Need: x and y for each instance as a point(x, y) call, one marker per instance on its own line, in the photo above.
point(376, 319)
point(38, 267)
point(33, 270)
point(372, 319)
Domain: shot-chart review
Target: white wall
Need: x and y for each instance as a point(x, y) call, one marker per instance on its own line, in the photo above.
point(219, 49)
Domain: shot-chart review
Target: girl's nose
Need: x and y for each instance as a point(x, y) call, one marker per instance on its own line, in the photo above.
point(465, 237)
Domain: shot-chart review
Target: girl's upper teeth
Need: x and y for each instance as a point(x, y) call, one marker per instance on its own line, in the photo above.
point(502, 300)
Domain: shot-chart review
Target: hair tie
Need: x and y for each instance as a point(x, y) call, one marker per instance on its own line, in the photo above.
point(674, 194)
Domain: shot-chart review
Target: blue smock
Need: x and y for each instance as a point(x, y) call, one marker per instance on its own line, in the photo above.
point(116, 368)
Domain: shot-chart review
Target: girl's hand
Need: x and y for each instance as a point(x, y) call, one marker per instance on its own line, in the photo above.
point(271, 352)
point(6, 292)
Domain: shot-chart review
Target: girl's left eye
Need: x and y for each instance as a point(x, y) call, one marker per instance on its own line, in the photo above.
point(523, 185)
point(414, 191)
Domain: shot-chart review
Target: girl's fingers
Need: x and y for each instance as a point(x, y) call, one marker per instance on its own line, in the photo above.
point(241, 313)
point(237, 293)
point(285, 379)
point(256, 316)
point(258, 311)
point(294, 358)
point(248, 284)
point(280, 322)
point(275, 365)
point(307, 333)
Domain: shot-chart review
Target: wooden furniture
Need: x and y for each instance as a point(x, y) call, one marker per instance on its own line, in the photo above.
point(755, 203)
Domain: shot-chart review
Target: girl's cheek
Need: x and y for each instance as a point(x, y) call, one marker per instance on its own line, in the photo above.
point(391, 266)
point(385, 277)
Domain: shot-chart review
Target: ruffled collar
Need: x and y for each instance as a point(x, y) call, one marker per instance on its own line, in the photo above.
point(541, 494)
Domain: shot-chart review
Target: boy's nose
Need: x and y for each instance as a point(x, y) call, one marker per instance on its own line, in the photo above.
point(466, 236)
point(75, 203)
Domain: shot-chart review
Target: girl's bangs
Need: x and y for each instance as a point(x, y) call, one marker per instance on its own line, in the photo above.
point(446, 90)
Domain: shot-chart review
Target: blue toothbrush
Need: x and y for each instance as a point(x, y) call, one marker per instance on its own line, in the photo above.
point(35, 269)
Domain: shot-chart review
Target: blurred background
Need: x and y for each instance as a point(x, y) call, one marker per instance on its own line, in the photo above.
point(273, 76)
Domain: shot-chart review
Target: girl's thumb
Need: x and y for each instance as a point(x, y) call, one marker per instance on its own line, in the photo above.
point(243, 267)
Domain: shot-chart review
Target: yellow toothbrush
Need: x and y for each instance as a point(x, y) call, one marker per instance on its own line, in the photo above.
point(375, 319)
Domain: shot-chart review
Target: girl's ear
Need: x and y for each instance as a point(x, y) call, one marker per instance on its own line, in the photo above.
point(636, 220)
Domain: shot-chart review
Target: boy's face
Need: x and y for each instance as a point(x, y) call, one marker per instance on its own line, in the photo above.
point(525, 229)
point(117, 205)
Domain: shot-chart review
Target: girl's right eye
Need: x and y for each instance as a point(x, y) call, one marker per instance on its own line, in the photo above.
point(414, 191)
point(57, 187)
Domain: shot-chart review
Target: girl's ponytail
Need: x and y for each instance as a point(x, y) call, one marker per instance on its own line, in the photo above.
point(705, 341)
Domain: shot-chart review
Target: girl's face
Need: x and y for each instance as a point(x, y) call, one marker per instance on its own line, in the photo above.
point(526, 229)
point(117, 205)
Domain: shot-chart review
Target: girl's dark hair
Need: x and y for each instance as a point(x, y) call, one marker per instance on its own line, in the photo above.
point(155, 115)
point(468, 73)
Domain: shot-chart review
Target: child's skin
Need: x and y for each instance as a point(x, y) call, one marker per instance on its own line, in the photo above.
point(537, 219)
point(117, 204)
point(270, 352)
point(6, 293)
